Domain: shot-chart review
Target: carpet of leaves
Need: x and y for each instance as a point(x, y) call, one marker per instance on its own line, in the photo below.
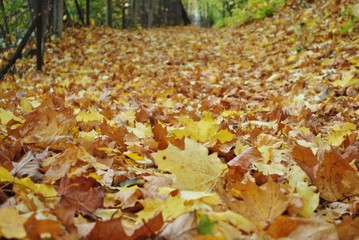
point(186, 133)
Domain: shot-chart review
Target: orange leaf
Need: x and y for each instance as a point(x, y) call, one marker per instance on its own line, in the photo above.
point(259, 204)
point(336, 179)
point(281, 227)
point(37, 228)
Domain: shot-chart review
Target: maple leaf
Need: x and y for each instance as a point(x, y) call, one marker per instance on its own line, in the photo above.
point(111, 229)
point(281, 227)
point(259, 204)
point(333, 176)
point(348, 228)
point(339, 131)
point(192, 168)
point(11, 224)
point(35, 228)
point(336, 179)
point(312, 229)
point(50, 124)
point(201, 131)
point(83, 194)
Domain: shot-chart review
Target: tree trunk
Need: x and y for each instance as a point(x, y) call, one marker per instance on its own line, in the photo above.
point(41, 9)
point(109, 11)
point(79, 12)
point(88, 12)
point(58, 11)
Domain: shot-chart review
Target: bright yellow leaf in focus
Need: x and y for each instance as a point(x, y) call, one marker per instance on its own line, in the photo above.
point(43, 189)
point(201, 131)
point(339, 131)
point(6, 116)
point(192, 168)
point(92, 115)
point(11, 224)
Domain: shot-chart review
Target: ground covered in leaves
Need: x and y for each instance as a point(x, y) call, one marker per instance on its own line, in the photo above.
point(186, 133)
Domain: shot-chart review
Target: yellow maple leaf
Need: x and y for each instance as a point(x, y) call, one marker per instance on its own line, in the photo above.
point(192, 168)
point(201, 131)
point(173, 207)
point(11, 224)
point(89, 136)
point(92, 115)
point(43, 189)
point(141, 130)
point(338, 133)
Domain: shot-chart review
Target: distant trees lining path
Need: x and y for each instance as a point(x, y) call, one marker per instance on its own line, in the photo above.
point(48, 19)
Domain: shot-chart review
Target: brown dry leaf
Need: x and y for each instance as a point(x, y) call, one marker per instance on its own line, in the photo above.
point(110, 230)
point(306, 160)
point(50, 125)
point(66, 217)
point(261, 204)
point(336, 179)
point(83, 194)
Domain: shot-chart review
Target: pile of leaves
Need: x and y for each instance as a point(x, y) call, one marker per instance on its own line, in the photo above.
point(186, 133)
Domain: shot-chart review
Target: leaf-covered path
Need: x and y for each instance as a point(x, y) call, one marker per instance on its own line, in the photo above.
point(184, 132)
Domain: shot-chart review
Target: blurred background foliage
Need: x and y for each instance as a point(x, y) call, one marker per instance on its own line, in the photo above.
point(16, 15)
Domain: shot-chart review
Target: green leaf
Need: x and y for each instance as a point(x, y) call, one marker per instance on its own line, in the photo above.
point(205, 225)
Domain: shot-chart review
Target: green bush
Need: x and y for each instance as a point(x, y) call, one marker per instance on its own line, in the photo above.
point(253, 10)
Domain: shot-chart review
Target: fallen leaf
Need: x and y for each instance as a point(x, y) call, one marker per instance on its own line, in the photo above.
point(43, 189)
point(336, 179)
point(348, 228)
point(192, 168)
point(281, 227)
point(111, 230)
point(37, 229)
point(83, 194)
point(261, 204)
point(11, 224)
